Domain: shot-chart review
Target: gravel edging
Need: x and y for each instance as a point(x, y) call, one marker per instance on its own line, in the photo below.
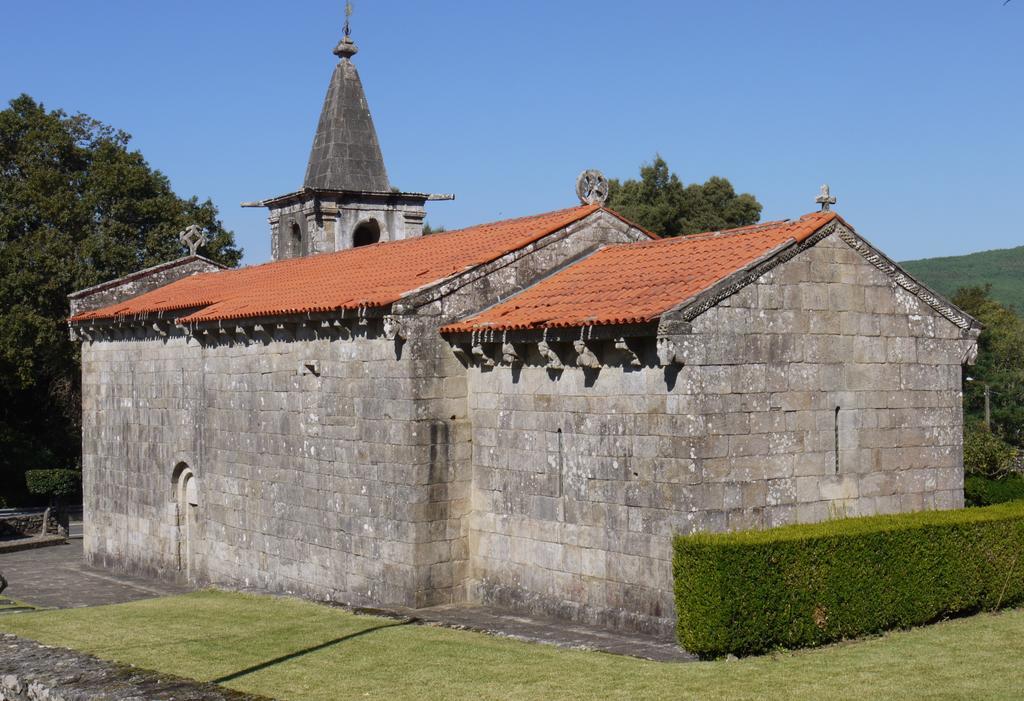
point(30, 671)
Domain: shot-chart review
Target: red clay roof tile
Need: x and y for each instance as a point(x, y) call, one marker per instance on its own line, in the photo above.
point(370, 276)
point(636, 283)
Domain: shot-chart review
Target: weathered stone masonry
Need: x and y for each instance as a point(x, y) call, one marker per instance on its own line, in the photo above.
point(582, 476)
point(332, 457)
point(362, 458)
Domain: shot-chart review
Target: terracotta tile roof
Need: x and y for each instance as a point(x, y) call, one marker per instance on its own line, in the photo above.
point(636, 283)
point(370, 276)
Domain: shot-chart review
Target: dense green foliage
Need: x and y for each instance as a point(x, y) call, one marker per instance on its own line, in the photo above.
point(1002, 269)
point(659, 202)
point(76, 208)
point(53, 483)
point(1000, 364)
point(984, 491)
point(797, 586)
point(985, 453)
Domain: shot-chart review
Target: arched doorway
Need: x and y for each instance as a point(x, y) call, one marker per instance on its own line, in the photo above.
point(186, 495)
point(366, 233)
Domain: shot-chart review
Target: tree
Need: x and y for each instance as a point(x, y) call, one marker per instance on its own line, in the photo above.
point(76, 208)
point(1000, 364)
point(660, 202)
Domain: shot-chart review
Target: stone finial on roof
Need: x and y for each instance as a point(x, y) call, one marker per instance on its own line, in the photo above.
point(592, 187)
point(346, 48)
point(193, 237)
point(826, 199)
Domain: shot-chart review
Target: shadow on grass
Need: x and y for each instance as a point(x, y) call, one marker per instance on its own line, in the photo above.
point(308, 650)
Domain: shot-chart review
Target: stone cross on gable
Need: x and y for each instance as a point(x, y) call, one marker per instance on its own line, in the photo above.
point(193, 237)
point(826, 199)
point(592, 187)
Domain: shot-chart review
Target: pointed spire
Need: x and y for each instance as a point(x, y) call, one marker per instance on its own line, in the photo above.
point(345, 153)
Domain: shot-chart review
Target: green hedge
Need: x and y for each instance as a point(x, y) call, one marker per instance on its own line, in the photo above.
point(53, 483)
point(797, 586)
point(983, 491)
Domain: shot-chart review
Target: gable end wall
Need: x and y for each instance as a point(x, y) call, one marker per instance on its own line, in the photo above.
point(581, 481)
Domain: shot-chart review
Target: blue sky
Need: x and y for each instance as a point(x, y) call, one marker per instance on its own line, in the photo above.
point(911, 110)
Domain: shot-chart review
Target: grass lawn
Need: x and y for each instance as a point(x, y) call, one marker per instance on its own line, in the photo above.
point(292, 649)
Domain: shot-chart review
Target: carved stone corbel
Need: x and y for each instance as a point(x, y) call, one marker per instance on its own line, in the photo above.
point(628, 347)
point(970, 353)
point(286, 330)
point(585, 356)
point(392, 328)
point(341, 329)
point(549, 354)
point(668, 352)
point(462, 353)
point(481, 354)
point(510, 354)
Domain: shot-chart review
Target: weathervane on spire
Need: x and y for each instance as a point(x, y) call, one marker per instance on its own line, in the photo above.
point(346, 48)
point(826, 199)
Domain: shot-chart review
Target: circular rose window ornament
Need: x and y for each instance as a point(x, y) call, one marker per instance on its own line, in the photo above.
point(592, 187)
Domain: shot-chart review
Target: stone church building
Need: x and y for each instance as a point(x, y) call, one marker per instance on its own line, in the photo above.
point(520, 413)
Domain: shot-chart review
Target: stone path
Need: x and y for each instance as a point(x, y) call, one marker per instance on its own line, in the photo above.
point(56, 577)
point(551, 631)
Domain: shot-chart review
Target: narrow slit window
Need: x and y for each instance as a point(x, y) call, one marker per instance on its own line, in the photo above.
point(837, 440)
point(296, 240)
point(561, 464)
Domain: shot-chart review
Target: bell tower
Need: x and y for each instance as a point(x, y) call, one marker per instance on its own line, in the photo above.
point(346, 199)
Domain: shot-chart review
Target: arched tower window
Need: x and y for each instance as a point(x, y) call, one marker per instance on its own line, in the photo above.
point(296, 241)
point(366, 233)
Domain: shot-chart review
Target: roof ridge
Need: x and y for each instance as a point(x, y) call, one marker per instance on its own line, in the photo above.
point(525, 217)
point(737, 231)
point(433, 237)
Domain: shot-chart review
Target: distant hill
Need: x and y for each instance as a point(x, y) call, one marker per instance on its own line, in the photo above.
point(1003, 269)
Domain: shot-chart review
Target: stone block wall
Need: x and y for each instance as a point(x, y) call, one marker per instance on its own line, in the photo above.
point(310, 455)
point(31, 523)
point(582, 476)
point(442, 386)
point(331, 462)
